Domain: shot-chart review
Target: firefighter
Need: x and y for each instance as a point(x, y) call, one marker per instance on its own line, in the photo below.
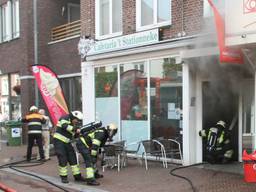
point(88, 145)
point(218, 143)
point(34, 122)
point(66, 129)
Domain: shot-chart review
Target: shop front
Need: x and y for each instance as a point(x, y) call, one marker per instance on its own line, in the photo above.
point(140, 89)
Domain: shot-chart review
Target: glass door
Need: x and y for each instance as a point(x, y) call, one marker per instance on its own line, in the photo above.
point(248, 127)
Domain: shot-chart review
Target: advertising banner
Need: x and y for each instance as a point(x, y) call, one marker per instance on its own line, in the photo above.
point(227, 55)
point(51, 91)
point(240, 19)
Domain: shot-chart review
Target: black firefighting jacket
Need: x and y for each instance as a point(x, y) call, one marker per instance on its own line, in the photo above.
point(34, 122)
point(95, 140)
point(65, 131)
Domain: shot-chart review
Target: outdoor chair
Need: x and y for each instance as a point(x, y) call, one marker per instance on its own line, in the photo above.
point(172, 149)
point(131, 149)
point(155, 149)
point(113, 155)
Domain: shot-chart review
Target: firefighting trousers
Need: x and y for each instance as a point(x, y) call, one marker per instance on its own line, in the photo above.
point(86, 154)
point(39, 141)
point(66, 154)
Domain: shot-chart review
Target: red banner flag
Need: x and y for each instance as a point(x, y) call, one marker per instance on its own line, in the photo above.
point(51, 91)
point(227, 55)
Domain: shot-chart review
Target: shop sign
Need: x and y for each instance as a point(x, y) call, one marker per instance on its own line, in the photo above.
point(125, 42)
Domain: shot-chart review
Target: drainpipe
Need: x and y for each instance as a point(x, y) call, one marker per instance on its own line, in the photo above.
point(35, 47)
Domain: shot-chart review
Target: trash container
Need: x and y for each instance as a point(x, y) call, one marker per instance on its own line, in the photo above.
point(14, 133)
point(249, 166)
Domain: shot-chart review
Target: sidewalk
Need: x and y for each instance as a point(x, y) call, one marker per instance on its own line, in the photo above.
point(132, 178)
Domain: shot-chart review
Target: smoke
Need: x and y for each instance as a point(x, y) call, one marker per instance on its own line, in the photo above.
point(222, 80)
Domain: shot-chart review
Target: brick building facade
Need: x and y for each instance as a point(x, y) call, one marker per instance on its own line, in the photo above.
point(150, 68)
point(17, 55)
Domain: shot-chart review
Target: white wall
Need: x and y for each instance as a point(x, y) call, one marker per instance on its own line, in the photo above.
point(88, 92)
point(189, 116)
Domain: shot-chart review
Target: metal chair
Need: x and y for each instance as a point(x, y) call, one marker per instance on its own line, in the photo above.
point(155, 149)
point(131, 149)
point(113, 155)
point(172, 148)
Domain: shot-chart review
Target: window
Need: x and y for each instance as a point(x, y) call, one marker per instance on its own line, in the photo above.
point(73, 12)
point(72, 90)
point(15, 19)
point(10, 105)
point(9, 20)
point(165, 98)
point(5, 22)
point(133, 91)
point(108, 18)
point(106, 94)
point(153, 13)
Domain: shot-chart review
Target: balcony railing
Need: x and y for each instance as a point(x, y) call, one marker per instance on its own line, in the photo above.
point(66, 30)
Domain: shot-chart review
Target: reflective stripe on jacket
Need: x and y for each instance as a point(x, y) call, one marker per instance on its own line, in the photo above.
point(95, 140)
point(65, 129)
point(34, 122)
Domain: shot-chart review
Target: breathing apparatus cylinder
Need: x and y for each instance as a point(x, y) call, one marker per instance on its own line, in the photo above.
point(85, 129)
point(212, 139)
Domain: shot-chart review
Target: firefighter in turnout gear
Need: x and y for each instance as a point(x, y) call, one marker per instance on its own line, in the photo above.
point(67, 127)
point(218, 143)
point(34, 122)
point(88, 145)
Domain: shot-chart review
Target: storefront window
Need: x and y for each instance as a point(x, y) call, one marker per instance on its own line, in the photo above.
point(72, 92)
point(106, 82)
point(165, 98)
point(133, 92)
point(106, 92)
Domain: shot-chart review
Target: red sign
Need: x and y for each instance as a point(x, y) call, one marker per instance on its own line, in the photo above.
point(227, 55)
point(51, 91)
point(249, 6)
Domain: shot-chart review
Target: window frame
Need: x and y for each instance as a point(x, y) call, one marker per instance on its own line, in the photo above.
point(97, 21)
point(70, 5)
point(9, 20)
point(15, 14)
point(155, 14)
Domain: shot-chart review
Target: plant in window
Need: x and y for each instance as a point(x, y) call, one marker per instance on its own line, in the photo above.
point(17, 89)
point(104, 83)
point(170, 66)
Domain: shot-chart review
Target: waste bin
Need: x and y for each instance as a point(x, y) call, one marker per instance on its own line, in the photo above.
point(249, 166)
point(14, 133)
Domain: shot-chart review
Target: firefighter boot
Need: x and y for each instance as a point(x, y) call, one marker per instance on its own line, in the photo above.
point(97, 175)
point(92, 182)
point(79, 177)
point(64, 179)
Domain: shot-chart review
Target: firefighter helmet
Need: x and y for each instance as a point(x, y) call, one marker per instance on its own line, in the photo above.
point(33, 108)
point(112, 130)
point(222, 123)
point(77, 115)
point(112, 126)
